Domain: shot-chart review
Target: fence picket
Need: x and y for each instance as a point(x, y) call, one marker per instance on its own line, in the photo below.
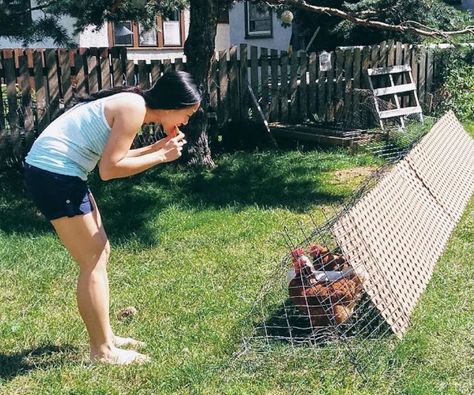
point(104, 64)
point(213, 84)
point(357, 80)
point(302, 89)
point(275, 90)
point(143, 76)
point(265, 81)
point(42, 114)
point(92, 73)
point(312, 89)
point(223, 108)
point(293, 86)
point(26, 108)
point(243, 83)
point(65, 76)
point(429, 80)
point(53, 83)
point(155, 70)
point(348, 86)
point(321, 111)
point(330, 89)
point(10, 81)
point(422, 75)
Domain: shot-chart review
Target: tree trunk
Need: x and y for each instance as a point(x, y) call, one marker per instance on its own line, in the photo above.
point(199, 50)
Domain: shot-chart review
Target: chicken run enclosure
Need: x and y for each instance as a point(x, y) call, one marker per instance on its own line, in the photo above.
point(353, 282)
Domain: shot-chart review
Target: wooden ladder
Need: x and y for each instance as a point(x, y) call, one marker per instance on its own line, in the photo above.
point(394, 91)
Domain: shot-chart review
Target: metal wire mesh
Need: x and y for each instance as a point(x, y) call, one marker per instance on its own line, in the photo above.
point(380, 250)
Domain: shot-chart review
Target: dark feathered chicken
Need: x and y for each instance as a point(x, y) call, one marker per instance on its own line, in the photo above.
point(326, 297)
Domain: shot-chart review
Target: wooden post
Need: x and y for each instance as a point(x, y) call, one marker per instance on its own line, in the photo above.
point(330, 88)
point(339, 111)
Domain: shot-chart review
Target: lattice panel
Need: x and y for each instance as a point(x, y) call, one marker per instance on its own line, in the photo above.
point(445, 163)
point(403, 224)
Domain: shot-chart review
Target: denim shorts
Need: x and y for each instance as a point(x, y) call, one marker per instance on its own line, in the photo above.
point(57, 195)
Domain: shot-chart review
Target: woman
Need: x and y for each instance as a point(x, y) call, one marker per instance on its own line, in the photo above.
point(101, 129)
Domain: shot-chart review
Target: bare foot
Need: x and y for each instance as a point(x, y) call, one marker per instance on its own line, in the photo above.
point(127, 342)
point(117, 356)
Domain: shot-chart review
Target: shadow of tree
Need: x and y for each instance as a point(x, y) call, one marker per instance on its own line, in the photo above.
point(240, 180)
point(37, 358)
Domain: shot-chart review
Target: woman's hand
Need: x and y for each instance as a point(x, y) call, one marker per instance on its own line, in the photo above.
point(171, 147)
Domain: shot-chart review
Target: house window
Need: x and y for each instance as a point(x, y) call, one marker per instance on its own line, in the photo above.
point(123, 33)
point(172, 30)
point(258, 20)
point(20, 15)
point(167, 32)
point(147, 38)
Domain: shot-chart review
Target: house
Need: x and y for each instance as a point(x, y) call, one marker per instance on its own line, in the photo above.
point(244, 23)
point(257, 25)
point(468, 5)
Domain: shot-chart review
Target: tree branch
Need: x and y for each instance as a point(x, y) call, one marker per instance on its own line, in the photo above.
point(405, 27)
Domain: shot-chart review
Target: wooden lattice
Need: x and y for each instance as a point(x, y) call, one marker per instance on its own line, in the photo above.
point(395, 234)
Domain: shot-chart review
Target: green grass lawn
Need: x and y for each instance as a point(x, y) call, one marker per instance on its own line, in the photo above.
point(191, 251)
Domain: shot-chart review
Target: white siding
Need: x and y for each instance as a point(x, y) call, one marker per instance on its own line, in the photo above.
point(281, 35)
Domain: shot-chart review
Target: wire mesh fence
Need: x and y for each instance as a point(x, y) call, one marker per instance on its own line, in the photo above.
point(352, 283)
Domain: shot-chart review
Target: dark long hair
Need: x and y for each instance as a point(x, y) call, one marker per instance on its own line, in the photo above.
point(173, 90)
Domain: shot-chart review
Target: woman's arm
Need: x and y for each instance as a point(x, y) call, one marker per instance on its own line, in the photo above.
point(127, 119)
point(140, 151)
point(149, 148)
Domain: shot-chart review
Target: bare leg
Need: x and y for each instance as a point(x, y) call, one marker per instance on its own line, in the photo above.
point(85, 239)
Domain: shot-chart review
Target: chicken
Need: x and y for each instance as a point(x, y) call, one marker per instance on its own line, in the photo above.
point(325, 260)
point(326, 300)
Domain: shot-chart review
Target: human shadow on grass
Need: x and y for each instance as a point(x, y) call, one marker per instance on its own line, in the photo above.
point(267, 180)
point(43, 357)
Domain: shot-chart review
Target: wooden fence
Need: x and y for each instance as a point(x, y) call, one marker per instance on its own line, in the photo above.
point(291, 87)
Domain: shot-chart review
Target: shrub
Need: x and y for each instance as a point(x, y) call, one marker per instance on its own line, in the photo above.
point(455, 82)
